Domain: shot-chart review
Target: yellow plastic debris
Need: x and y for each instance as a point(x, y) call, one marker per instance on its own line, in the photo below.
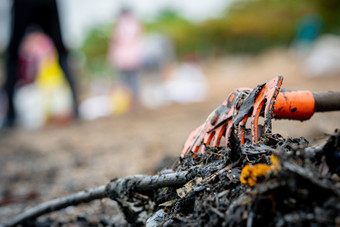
point(251, 174)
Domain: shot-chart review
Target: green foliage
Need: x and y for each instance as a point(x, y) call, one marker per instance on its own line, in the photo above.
point(330, 13)
point(177, 28)
point(251, 26)
point(247, 26)
point(95, 47)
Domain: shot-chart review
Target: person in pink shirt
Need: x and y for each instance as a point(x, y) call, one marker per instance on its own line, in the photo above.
point(125, 50)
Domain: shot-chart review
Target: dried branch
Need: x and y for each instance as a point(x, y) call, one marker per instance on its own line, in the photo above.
point(112, 190)
point(58, 204)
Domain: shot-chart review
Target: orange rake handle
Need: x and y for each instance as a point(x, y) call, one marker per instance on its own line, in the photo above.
point(301, 105)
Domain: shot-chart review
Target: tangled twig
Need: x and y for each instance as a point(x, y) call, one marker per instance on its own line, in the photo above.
point(111, 190)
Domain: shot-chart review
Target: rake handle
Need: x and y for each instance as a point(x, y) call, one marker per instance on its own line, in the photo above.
point(301, 105)
point(327, 101)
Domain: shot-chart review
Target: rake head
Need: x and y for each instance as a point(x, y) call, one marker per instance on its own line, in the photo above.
point(232, 116)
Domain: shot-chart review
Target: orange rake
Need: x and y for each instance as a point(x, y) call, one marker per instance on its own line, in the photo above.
point(265, 100)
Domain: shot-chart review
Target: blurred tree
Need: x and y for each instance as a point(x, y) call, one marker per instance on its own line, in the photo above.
point(329, 10)
point(251, 26)
point(180, 30)
point(247, 26)
point(95, 47)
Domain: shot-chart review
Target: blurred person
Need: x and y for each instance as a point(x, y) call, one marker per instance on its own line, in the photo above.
point(157, 57)
point(158, 52)
point(25, 14)
point(125, 51)
point(187, 82)
point(42, 94)
point(308, 28)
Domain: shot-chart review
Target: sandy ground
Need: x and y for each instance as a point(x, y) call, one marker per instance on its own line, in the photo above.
point(39, 165)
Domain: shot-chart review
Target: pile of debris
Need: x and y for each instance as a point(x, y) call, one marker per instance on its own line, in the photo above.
point(277, 182)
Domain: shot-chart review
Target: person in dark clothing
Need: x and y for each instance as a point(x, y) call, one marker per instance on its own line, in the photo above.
point(26, 13)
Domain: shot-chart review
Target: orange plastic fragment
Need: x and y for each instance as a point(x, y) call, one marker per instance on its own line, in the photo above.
point(251, 174)
point(275, 162)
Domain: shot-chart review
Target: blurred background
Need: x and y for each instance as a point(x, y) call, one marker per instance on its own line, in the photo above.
point(175, 40)
point(147, 73)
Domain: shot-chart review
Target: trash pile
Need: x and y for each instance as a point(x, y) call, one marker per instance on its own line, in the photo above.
point(276, 182)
